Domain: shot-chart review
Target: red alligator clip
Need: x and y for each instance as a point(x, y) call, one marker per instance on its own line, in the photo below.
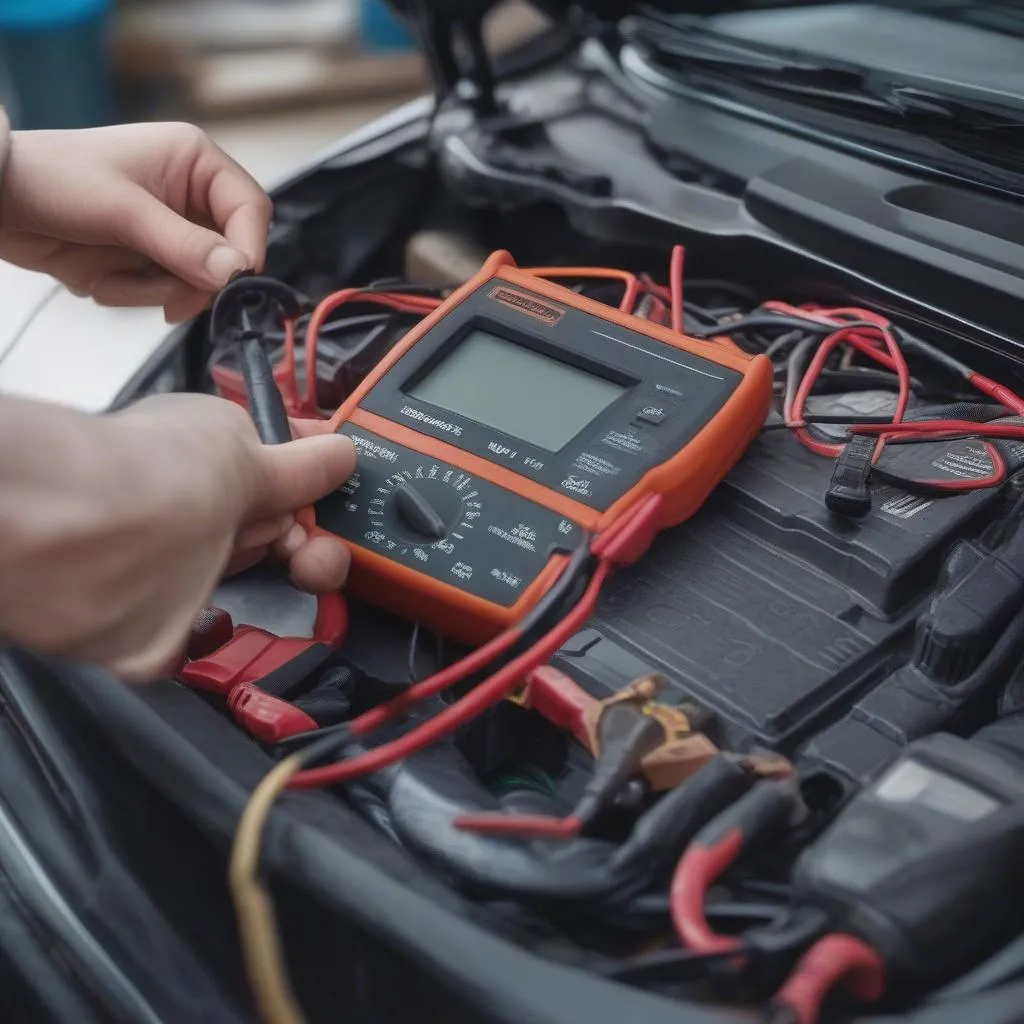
point(257, 672)
point(265, 716)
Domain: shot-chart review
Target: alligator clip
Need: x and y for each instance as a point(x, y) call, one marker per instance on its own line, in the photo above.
point(259, 673)
point(675, 745)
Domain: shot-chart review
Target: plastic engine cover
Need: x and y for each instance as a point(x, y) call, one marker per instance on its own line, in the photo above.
point(770, 611)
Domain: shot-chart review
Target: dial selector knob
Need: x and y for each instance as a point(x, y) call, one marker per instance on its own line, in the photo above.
point(417, 514)
point(422, 510)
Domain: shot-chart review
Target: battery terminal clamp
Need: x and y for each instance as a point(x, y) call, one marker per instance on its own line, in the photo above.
point(629, 735)
point(674, 746)
point(678, 749)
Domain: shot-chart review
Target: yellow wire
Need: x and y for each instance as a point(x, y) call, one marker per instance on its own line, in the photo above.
point(261, 944)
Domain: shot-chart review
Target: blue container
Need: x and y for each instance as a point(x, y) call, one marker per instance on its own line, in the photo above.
point(55, 67)
point(381, 30)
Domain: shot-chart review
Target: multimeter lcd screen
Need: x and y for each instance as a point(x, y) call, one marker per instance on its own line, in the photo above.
point(513, 389)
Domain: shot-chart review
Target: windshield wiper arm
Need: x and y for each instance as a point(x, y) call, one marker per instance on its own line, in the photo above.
point(686, 48)
point(692, 42)
point(916, 102)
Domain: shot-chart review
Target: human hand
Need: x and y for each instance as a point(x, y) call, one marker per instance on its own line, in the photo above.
point(318, 563)
point(133, 215)
point(114, 530)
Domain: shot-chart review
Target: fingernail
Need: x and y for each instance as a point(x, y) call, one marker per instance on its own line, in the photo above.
point(224, 262)
point(293, 540)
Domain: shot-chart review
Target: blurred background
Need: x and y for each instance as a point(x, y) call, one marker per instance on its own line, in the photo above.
point(273, 81)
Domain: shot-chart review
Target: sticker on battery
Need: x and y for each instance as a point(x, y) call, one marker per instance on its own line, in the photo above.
point(939, 464)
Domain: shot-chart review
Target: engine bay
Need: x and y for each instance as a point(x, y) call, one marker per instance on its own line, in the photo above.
point(805, 641)
point(774, 761)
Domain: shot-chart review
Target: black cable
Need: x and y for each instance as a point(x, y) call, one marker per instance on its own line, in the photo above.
point(670, 966)
point(263, 398)
point(655, 907)
point(940, 438)
point(764, 887)
point(339, 324)
point(792, 929)
point(763, 321)
point(398, 286)
point(414, 645)
point(579, 566)
point(710, 284)
point(779, 344)
point(691, 309)
point(796, 364)
point(859, 378)
point(722, 912)
point(782, 320)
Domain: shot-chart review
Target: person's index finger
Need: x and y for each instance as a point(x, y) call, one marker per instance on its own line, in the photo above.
point(237, 204)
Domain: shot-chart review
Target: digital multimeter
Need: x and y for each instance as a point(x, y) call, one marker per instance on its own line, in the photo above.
point(512, 418)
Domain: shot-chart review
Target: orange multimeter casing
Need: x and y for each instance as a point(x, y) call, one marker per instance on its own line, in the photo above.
point(512, 418)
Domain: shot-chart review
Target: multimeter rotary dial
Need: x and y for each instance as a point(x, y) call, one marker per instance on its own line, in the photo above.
point(426, 505)
point(424, 509)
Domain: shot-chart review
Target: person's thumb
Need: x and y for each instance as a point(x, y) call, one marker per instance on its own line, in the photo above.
point(195, 254)
point(297, 474)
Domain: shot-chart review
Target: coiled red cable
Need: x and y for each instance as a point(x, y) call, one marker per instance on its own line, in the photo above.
point(891, 358)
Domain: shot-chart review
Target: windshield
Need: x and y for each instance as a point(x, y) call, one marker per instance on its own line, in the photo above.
point(937, 87)
point(973, 46)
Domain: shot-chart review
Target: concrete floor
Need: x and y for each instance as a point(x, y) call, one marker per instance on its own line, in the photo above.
point(273, 145)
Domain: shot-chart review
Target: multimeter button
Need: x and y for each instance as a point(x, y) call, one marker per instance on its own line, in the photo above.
point(653, 415)
point(418, 514)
